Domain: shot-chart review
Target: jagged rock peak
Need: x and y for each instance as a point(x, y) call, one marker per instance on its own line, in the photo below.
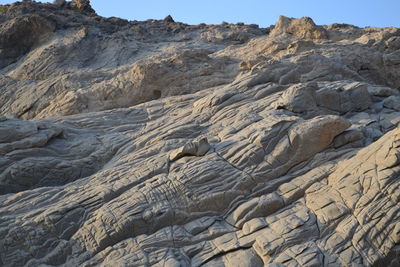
point(169, 19)
point(83, 5)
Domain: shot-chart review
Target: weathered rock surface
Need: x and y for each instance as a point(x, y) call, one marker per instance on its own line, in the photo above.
point(211, 145)
point(83, 5)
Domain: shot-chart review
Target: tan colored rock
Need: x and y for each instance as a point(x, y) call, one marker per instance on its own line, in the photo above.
point(303, 28)
point(196, 148)
point(205, 145)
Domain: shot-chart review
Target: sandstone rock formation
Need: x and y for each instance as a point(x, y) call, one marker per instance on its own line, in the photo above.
point(207, 145)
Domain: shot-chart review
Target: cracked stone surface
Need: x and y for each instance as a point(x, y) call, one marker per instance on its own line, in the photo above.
point(165, 144)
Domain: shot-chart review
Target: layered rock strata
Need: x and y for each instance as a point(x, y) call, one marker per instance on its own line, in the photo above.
point(165, 144)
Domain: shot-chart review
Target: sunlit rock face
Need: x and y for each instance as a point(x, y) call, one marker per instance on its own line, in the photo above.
point(160, 143)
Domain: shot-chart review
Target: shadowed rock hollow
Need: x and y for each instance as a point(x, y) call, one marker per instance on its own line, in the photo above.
point(130, 143)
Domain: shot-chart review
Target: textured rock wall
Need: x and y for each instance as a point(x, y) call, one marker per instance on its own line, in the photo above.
point(251, 147)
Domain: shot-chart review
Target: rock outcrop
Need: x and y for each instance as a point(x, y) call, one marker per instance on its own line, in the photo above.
point(160, 143)
point(20, 34)
point(303, 28)
point(83, 5)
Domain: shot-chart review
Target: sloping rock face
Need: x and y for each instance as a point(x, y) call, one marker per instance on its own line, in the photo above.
point(250, 147)
point(66, 60)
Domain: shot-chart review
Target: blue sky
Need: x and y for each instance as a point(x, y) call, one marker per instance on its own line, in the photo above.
point(378, 13)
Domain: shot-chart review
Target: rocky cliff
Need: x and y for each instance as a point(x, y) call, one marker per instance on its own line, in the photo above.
point(128, 143)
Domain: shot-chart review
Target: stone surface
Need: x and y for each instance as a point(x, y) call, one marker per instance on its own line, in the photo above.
point(196, 148)
point(160, 143)
point(83, 5)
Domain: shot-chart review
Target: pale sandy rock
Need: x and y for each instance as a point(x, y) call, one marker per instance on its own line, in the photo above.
point(126, 64)
point(196, 148)
point(303, 28)
point(211, 145)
